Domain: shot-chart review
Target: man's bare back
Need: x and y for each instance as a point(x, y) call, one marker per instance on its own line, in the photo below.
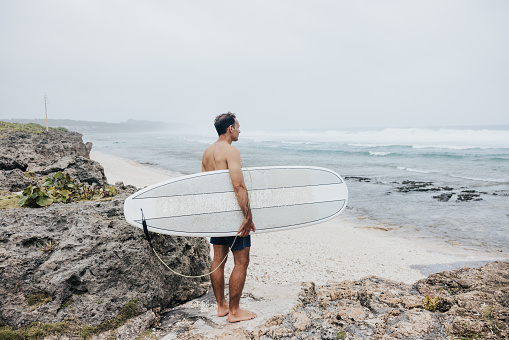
point(215, 156)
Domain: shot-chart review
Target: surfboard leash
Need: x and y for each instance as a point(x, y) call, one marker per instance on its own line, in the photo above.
point(147, 236)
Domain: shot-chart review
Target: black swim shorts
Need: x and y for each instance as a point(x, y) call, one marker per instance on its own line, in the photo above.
point(240, 242)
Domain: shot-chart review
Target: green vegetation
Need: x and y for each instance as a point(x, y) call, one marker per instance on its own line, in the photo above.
point(49, 247)
point(431, 303)
point(129, 311)
point(8, 200)
point(37, 300)
point(39, 330)
point(67, 302)
point(29, 128)
point(341, 335)
point(36, 330)
point(62, 188)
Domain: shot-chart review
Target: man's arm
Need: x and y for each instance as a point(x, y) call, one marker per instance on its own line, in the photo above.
point(235, 168)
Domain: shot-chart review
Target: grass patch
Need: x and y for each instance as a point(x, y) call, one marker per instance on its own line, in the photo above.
point(431, 303)
point(34, 128)
point(341, 335)
point(127, 312)
point(39, 330)
point(67, 302)
point(36, 330)
point(8, 200)
point(35, 301)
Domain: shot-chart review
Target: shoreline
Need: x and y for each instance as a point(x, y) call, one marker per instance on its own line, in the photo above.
point(344, 248)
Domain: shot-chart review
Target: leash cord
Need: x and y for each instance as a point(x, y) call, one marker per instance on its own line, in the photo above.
point(231, 247)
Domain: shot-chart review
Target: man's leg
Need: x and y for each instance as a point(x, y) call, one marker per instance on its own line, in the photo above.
point(237, 280)
point(217, 278)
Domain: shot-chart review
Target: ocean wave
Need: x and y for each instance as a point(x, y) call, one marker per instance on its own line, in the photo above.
point(451, 147)
point(419, 137)
point(493, 180)
point(293, 143)
point(379, 153)
point(371, 145)
point(477, 179)
point(421, 171)
point(201, 141)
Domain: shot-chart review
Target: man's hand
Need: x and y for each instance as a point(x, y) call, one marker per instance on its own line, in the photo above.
point(247, 226)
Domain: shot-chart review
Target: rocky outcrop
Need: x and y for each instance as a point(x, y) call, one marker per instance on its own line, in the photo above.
point(83, 260)
point(465, 304)
point(28, 157)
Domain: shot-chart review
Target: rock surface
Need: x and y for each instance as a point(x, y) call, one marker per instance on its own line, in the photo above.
point(97, 265)
point(82, 261)
point(471, 303)
point(26, 158)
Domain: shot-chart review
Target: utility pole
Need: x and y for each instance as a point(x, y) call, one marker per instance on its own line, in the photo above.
point(46, 111)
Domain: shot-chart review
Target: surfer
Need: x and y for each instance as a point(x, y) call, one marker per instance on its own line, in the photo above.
point(222, 155)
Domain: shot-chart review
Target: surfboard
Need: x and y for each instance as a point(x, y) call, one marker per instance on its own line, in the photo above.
point(204, 204)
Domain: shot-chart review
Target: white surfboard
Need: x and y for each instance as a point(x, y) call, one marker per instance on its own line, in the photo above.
point(204, 204)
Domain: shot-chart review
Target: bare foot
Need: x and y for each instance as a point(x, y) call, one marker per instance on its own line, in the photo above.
point(241, 315)
point(223, 309)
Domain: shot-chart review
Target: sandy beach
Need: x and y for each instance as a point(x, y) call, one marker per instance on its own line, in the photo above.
point(345, 248)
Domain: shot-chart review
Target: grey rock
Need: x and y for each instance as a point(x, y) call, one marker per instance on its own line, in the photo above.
point(15, 180)
point(471, 303)
point(42, 155)
point(469, 195)
point(97, 265)
point(445, 197)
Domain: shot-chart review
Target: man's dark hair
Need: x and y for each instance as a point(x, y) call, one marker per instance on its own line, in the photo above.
point(223, 121)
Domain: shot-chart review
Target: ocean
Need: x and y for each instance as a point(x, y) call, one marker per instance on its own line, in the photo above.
point(446, 186)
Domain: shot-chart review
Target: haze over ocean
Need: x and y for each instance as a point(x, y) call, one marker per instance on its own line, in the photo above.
point(379, 166)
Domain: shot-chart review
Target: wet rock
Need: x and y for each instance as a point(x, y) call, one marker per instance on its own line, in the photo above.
point(358, 179)
point(416, 186)
point(445, 197)
point(469, 195)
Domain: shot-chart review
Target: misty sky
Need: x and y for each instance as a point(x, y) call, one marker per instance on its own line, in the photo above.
point(278, 64)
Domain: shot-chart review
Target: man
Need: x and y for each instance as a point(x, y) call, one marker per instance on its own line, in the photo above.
point(223, 155)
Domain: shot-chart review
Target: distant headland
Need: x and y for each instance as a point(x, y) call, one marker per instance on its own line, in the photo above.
point(83, 126)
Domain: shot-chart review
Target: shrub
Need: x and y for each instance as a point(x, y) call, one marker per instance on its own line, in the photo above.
point(62, 188)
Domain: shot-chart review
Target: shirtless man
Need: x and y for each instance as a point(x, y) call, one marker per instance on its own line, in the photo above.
point(223, 155)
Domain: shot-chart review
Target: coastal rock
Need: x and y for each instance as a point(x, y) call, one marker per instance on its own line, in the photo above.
point(469, 195)
point(467, 303)
point(81, 169)
point(83, 261)
point(42, 149)
point(358, 179)
point(416, 186)
point(15, 180)
point(28, 157)
point(445, 197)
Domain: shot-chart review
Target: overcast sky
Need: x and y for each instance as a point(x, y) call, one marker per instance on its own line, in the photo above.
point(277, 64)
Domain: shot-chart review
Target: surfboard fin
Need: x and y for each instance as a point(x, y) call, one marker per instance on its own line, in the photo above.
point(145, 229)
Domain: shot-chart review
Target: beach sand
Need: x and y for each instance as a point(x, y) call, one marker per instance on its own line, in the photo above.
point(345, 248)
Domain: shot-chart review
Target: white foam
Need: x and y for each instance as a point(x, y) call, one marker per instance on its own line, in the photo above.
point(452, 147)
point(421, 171)
point(379, 153)
point(414, 137)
